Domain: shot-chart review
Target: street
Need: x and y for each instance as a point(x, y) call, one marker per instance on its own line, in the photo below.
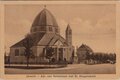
point(70, 69)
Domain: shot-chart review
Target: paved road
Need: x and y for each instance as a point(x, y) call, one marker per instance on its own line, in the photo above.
point(70, 69)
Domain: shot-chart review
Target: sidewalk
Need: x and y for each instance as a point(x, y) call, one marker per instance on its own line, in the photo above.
point(70, 69)
point(33, 66)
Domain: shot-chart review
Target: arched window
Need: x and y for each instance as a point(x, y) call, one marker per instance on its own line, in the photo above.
point(16, 52)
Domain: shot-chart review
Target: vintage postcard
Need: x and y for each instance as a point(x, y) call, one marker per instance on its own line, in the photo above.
point(68, 40)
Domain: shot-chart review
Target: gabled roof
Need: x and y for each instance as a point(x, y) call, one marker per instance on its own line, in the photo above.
point(18, 44)
point(47, 39)
point(85, 47)
point(35, 40)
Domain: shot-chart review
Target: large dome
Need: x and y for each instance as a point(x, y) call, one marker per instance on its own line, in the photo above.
point(45, 18)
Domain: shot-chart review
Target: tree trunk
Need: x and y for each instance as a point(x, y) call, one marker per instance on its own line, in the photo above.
point(27, 62)
point(49, 61)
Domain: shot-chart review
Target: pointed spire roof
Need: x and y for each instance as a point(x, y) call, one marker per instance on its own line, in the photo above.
point(68, 27)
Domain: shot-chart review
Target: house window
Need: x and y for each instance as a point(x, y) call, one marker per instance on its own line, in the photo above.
point(17, 52)
point(50, 28)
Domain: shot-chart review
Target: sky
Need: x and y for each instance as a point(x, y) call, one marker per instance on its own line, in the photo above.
point(91, 24)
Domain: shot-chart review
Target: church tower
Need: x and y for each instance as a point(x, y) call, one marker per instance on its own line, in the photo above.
point(69, 35)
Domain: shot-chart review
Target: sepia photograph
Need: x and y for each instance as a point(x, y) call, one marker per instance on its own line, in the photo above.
point(60, 39)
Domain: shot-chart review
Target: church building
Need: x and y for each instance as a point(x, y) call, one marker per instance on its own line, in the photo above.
point(45, 33)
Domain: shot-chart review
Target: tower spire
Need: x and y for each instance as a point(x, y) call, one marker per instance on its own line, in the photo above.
point(69, 35)
point(68, 27)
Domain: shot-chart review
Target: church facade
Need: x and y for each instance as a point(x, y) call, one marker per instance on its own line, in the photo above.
point(45, 33)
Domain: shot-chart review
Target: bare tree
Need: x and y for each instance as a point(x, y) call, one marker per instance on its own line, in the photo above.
point(72, 57)
point(28, 44)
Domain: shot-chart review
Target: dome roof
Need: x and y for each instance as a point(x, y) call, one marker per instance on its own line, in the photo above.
point(45, 18)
